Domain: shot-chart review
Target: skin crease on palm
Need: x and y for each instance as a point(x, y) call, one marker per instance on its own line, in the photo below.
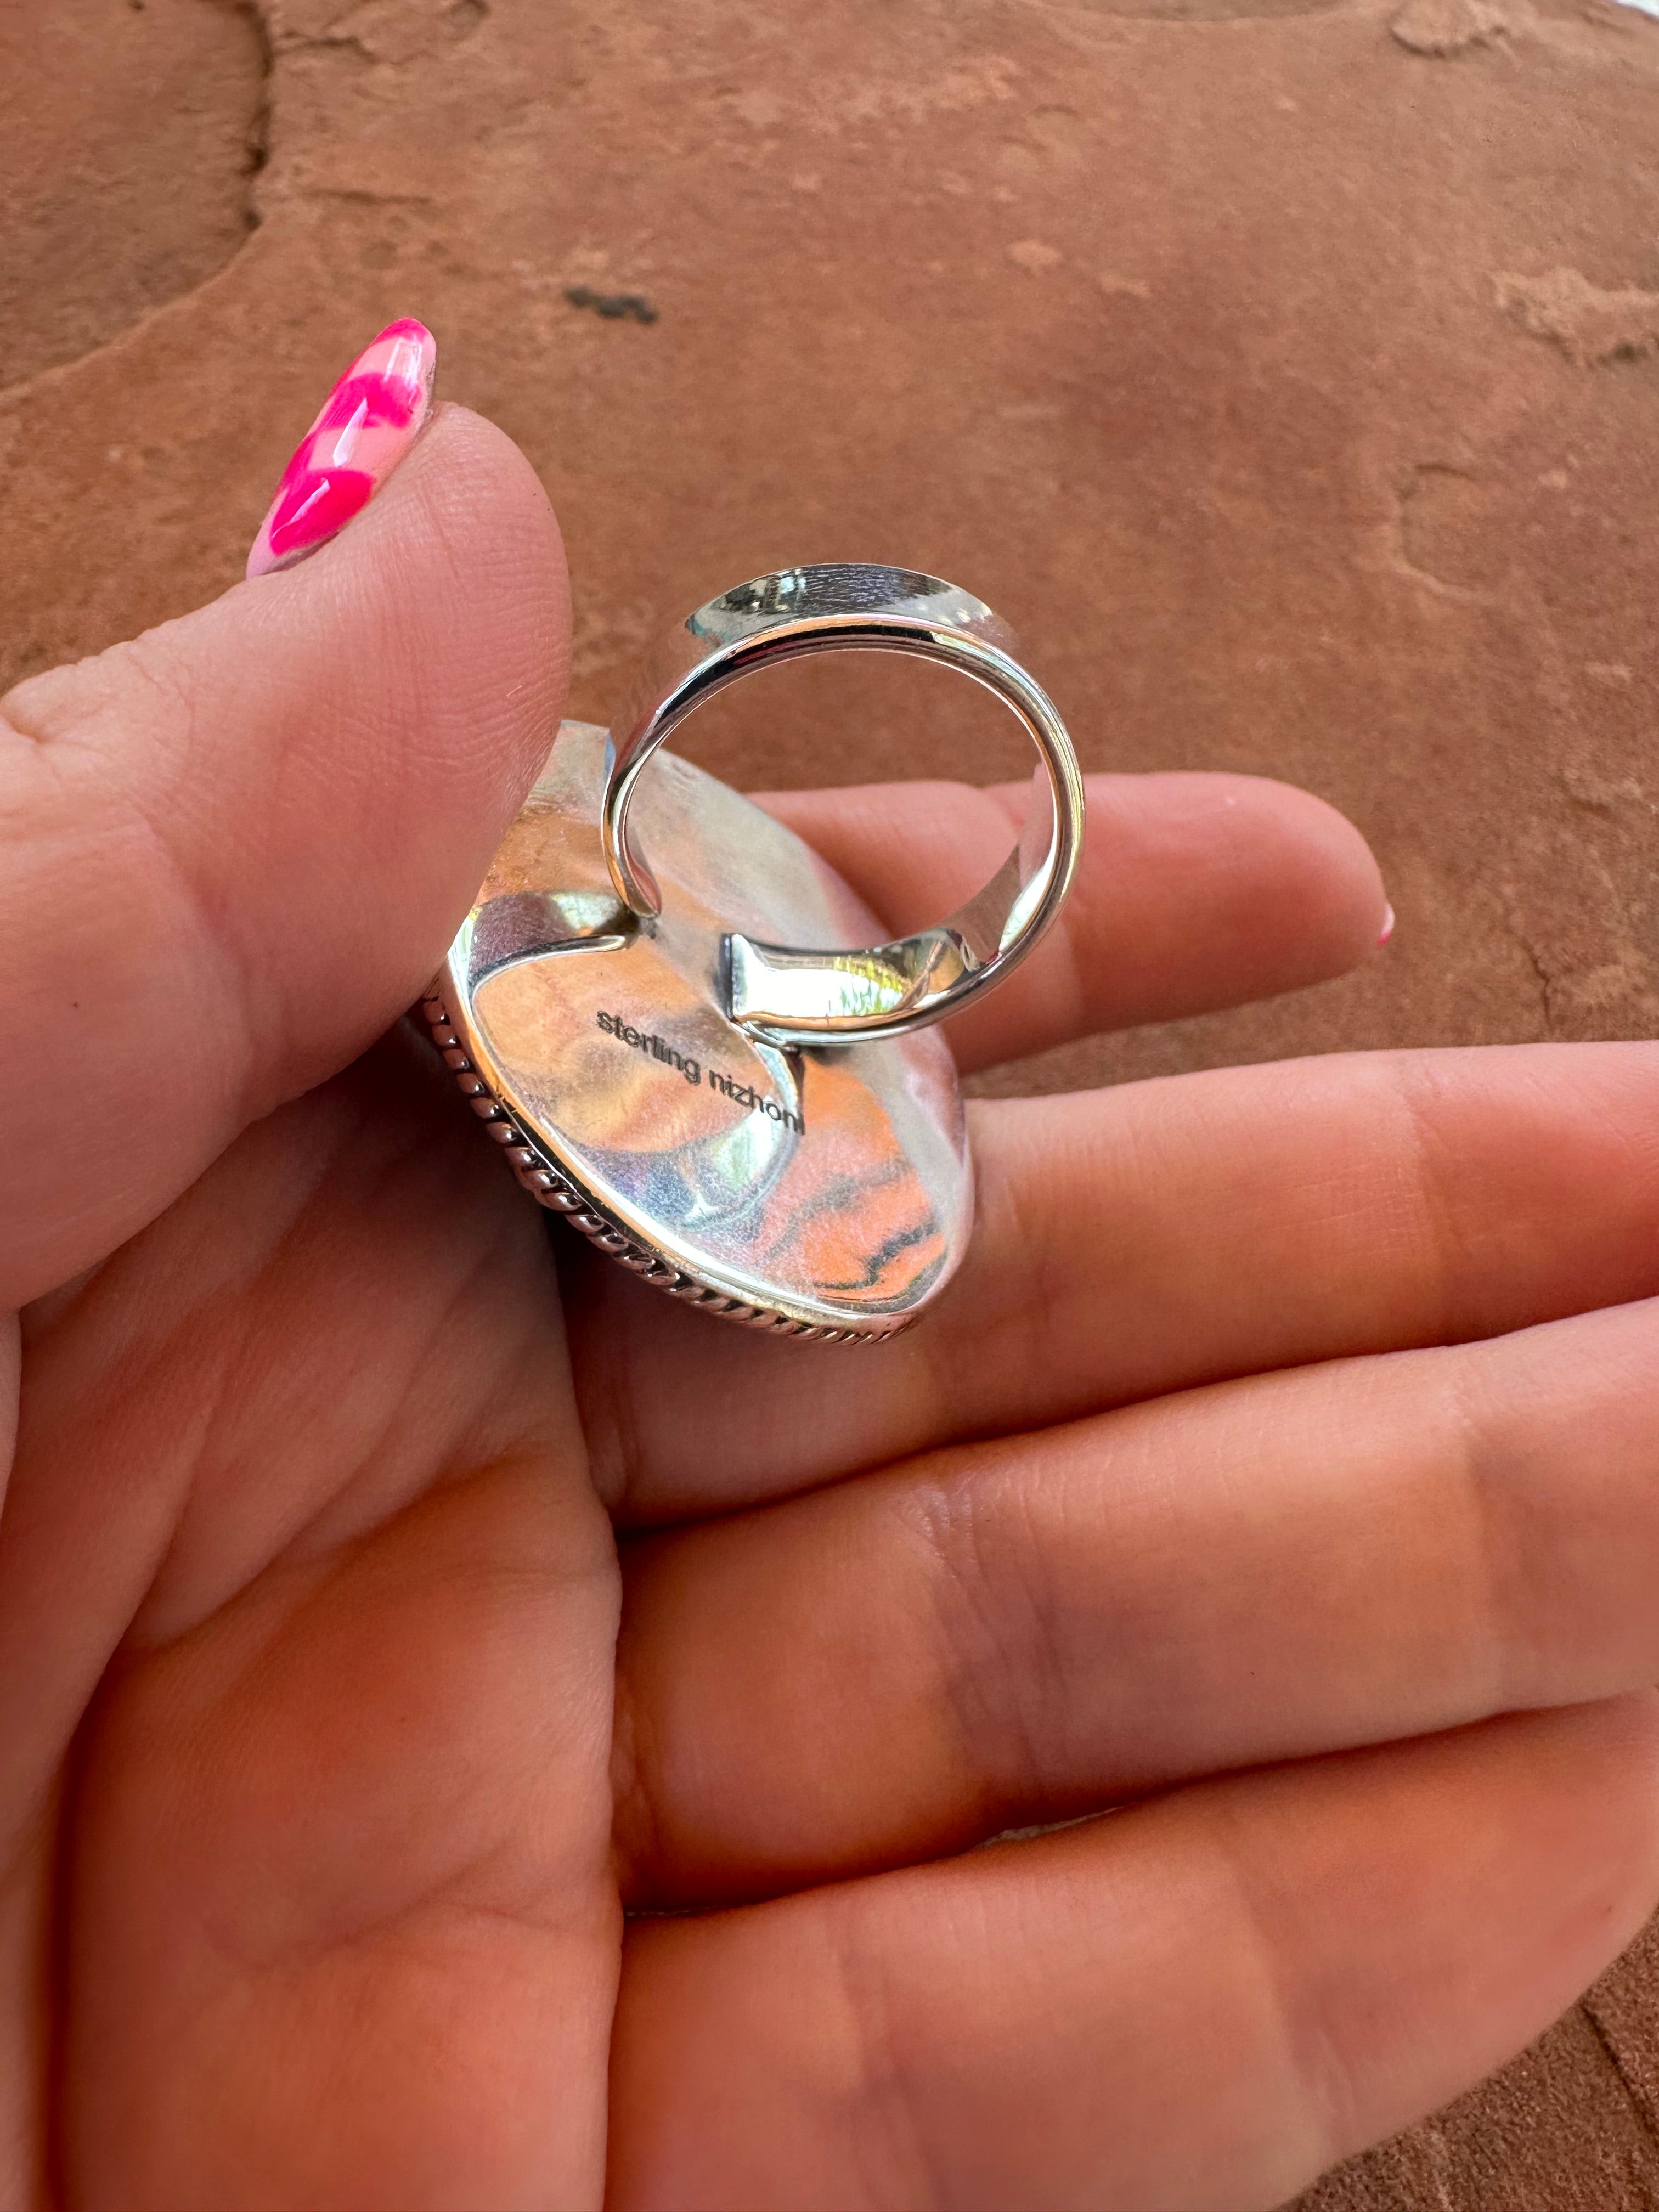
point(478, 1737)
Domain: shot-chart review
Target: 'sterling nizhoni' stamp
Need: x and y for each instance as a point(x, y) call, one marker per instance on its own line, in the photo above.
point(659, 1049)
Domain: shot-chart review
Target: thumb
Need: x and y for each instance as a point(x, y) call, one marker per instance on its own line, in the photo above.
point(232, 851)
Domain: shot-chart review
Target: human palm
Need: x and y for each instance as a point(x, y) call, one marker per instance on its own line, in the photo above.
point(393, 1596)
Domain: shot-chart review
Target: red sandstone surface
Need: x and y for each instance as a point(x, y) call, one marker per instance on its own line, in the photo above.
point(1288, 374)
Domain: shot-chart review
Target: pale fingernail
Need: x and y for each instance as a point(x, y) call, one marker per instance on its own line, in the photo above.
point(367, 424)
point(1387, 925)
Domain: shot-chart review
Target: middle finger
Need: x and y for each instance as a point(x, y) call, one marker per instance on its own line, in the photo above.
point(1165, 1234)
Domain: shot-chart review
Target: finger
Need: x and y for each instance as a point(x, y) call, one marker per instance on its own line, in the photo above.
point(1193, 892)
point(1170, 1233)
point(1191, 2007)
point(1011, 1634)
point(234, 849)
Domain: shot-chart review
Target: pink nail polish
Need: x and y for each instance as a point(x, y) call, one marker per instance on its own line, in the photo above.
point(368, 422)
point(1387, 925)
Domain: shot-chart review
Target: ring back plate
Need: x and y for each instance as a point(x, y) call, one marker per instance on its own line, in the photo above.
point(823, 1191)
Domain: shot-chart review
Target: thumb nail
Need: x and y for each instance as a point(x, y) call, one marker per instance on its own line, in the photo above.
point(367, 424)
point(1387, 930)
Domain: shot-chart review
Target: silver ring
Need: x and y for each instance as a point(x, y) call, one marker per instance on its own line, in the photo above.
point(788, 994)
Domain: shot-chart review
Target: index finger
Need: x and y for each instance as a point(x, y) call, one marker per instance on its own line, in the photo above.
point(1194, 891)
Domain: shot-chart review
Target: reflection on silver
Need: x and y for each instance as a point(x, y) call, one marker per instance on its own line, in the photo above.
point(793, 993)
point(816, 1190)
point(525, 925)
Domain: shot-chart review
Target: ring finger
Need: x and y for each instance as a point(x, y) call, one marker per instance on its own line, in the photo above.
point(1022, 1631)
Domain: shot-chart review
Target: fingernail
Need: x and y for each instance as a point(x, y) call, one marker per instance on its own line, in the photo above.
point(367, 424)
point(1387, 925)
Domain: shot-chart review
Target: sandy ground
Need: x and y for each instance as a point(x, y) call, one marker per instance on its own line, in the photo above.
point(1287, 372)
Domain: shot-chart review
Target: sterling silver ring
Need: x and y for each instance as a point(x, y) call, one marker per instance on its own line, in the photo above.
point(686, 1063)
point(788, 994)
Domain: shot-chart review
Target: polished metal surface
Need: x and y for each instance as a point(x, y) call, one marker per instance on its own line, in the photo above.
point(783, 988)
point(819, 1189)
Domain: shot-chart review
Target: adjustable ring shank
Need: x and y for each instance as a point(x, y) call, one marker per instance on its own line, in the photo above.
point(795, 995)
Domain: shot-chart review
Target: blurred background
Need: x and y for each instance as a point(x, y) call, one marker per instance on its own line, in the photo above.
point(1287, 371)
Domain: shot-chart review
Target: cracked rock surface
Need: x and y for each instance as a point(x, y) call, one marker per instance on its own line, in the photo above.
point(1286, 370)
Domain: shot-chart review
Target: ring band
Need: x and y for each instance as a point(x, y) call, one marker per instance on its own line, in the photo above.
point(786, 994)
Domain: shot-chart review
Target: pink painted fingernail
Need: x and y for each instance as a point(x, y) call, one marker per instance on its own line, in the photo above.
point(368, 422)
point(1387, 925)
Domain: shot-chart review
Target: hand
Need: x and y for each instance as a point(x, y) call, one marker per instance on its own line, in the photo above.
point(1277, 1473)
